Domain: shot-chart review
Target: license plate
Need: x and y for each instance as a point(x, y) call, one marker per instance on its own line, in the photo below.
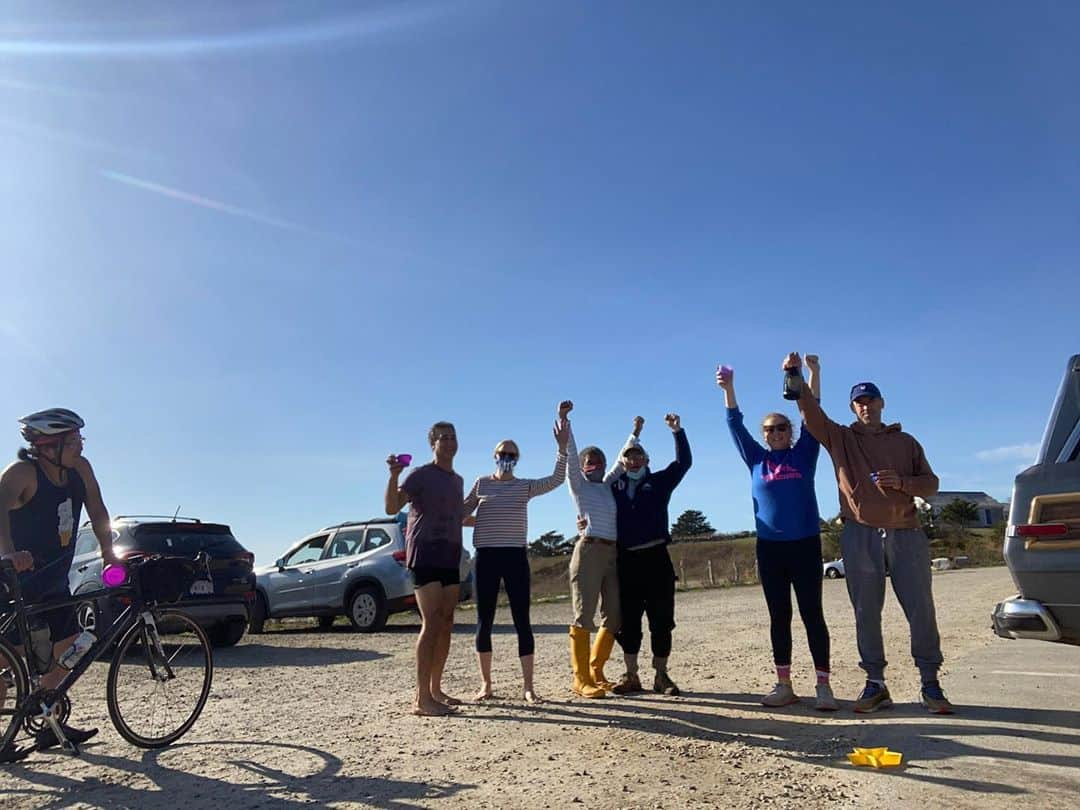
point(202, 587)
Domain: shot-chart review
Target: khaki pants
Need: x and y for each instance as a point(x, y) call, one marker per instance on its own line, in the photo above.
point(593, 580)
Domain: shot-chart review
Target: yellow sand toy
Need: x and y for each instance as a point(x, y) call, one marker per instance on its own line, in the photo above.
point(875, 757)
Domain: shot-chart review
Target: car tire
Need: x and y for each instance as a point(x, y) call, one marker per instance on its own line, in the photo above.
point(227, 634)
point(832, 573)
point(367, 609)
point(257, 615)
point(326, 622)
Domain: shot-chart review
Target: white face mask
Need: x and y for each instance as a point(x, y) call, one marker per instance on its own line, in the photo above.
point(637, 475)
point(505, 465)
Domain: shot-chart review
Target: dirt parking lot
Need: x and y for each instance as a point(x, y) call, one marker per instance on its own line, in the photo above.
point(302, 718)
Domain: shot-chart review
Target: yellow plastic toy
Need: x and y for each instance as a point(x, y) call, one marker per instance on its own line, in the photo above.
point(875, 757)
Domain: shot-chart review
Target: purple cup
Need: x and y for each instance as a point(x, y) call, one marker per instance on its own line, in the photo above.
point(113, 576)
point(404, 459)
point(726, 372)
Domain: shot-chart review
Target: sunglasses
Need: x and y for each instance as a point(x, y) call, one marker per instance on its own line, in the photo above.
point(776, 428)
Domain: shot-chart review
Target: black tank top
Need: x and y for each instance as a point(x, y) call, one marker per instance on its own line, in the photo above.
point(46, 526)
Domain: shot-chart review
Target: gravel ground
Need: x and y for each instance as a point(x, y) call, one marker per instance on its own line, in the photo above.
point(299, 718)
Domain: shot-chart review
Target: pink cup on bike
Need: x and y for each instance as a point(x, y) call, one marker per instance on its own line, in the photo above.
point(113, 576)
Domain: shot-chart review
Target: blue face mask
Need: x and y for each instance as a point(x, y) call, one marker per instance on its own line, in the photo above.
point(637, 475)
point(505, 464)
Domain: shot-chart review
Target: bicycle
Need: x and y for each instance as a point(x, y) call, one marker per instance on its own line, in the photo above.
point(160, 673)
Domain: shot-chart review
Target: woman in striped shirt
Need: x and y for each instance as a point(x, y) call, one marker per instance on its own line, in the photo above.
point(499, 536)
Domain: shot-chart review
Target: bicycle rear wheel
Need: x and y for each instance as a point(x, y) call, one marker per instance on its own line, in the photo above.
point(13, 688)
point(159, 679)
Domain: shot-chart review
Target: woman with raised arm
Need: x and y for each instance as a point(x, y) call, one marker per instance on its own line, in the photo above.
point(788, 530)
point(500, 533)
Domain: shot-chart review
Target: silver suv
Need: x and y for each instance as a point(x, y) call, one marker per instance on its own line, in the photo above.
point(356, 569)
point(1042, 540)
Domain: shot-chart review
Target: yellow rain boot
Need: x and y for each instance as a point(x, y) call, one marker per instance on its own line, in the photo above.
point(601, 652)
point(579, 658)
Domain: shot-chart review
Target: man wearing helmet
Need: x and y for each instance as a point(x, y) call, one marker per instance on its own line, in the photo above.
point(42, 495)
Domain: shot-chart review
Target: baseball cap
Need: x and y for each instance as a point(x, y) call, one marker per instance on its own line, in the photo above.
point(864, 389)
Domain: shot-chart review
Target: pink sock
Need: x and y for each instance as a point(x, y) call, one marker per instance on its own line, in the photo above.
point(822, 676)
point(783, 674)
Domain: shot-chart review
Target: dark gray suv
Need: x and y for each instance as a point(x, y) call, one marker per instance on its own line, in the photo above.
point(1042, 541)
point(356, 569)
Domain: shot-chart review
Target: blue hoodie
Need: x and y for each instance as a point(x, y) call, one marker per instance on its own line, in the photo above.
point(782, 483)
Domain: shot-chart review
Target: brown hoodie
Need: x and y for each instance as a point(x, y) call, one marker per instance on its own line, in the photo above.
point(858, 450)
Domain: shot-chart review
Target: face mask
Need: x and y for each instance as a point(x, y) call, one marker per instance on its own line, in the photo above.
point(505, 464)
point(637, 475)
point(594, 474)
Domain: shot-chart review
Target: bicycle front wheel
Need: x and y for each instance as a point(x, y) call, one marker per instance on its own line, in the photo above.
point(159, 679)
point(13, 688)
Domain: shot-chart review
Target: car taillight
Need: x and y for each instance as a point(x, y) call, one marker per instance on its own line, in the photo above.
point(249, 596)
point(399, 557)
point(1041, 530)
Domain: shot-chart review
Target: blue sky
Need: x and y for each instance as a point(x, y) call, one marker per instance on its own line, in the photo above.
point(261, 245)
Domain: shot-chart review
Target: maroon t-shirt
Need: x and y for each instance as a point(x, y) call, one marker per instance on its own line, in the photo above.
point(433, 531)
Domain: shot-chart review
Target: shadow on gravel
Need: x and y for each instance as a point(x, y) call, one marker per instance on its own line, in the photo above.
point(278, 776)
point(907, 728)
point(247, 656)
point(460, 628)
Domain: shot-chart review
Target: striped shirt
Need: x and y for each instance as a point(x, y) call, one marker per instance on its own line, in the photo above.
point(593, 499)
point(502, 507)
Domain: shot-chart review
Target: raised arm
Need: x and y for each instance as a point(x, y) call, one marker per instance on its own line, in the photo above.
point(633, 440)
point(540, 486)
point(725, 379)
point(813, 365)
point(821, 427)
point(683, 459)
point(573, 463)
point(396, 497)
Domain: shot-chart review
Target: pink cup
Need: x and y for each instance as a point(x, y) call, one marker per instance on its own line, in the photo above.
point(113, 576)
point(404, 459)
point(726, 372)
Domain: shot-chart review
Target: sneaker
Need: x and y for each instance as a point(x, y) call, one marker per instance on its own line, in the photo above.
point(628, 684)
point(933, 698)
point(874, 696)
point(46, 739)
point(781, 695)
point(663, 684)
point(9, 753)
point(825, 701)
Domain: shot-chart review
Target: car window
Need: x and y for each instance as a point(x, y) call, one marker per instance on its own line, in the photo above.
point(86, 542)
point(346, 543)
point(311, 551)
point(376, 538)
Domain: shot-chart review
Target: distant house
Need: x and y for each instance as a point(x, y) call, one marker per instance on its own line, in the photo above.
point(990, 511)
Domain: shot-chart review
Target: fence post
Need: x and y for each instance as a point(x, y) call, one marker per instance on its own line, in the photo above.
point(712, 581)
point(682, 573)
point(735, 565)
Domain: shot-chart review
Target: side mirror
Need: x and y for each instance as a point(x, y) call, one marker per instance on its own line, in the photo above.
point(280, 563)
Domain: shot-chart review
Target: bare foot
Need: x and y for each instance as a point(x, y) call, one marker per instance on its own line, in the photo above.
point(445, 699)
point(433, 709)
point(485, 693)
point(532, 698)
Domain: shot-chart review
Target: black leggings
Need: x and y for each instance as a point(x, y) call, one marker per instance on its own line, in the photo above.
point(783, 564)
point(511, 566)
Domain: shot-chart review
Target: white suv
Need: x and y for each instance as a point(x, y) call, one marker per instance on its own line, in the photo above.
point(355, 568)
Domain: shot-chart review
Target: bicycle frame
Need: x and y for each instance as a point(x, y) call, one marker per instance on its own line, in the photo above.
point(17, 612)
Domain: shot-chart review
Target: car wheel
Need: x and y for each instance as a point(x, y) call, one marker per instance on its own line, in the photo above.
point(257, 615)
point(326, 622)
point(227, 634)
point(367, 610)
point(832, 573)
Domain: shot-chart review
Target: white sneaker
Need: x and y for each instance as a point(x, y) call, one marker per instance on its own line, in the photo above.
point(825, 701)
point(781, 695)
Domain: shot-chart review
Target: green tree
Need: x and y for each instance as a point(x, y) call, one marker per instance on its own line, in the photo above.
point(959, 513)
point(550, 544)
point(691, 524)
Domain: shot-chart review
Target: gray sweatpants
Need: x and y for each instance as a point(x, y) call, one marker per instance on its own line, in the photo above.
point(866, 551)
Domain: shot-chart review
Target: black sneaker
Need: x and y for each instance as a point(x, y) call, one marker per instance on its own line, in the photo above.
point(874, 696)
point(933, 698)
point(663, 684)
point(9, 753)
point(46, 739)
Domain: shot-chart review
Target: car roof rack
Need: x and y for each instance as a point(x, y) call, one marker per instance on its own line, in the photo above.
point(359, 523)
point(167, 518)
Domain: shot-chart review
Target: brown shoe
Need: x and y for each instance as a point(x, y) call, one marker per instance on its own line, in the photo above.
point(627, 685)
point(663, 684)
